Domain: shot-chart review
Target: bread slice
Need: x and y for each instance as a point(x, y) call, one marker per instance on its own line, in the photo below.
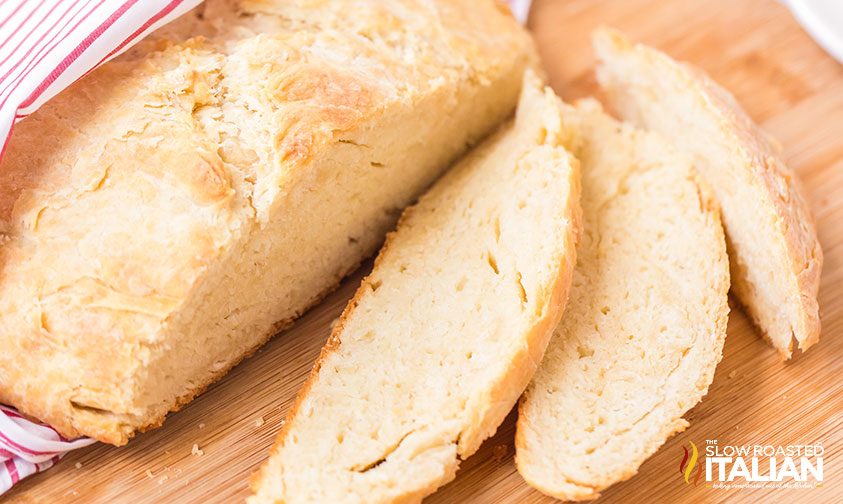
point(198, 194)
point(773, 248)
point(447, 330)
point(645, 324)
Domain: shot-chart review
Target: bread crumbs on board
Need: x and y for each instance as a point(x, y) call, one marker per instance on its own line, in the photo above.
point(499, 452)
point(196, 450)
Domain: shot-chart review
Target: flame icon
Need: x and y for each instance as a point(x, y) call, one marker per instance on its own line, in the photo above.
point(686, 467)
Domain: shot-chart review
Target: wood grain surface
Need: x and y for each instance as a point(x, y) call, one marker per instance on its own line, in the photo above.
point(785, 82)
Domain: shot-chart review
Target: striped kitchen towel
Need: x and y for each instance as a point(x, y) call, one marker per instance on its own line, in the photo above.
point(520, 9)
point(27, 447)
point(46, 45)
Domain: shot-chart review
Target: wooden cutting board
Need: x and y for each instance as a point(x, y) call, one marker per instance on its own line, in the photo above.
point(784, 80)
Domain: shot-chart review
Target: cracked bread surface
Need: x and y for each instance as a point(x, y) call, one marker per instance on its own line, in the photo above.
point(210, 185)
point(445, 333)
point(646, 319)
point(775, 256)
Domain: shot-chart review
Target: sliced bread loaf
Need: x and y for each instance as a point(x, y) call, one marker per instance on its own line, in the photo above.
point(773, 249)
point(200, 192)
point(447, 330)
point(645, 324)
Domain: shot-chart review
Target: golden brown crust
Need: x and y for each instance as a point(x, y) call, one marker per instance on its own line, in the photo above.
point(784, 191)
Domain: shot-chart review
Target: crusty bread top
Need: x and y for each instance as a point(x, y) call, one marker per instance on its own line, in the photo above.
point(181, 144)
point(446, 331)
point(775, 255)
point(646, 320)
point(121, 196)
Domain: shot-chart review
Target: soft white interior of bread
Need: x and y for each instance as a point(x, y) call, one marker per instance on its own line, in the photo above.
point(646, 320)
point(446, 331)
point(775, 257)
point(320, 228)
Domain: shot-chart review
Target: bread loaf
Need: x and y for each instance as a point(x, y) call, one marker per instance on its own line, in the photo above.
point(774, 254)
point(167, 214)
point(645, 324)
point(444, 334)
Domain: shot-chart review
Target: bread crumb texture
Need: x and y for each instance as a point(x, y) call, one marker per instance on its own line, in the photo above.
point(201, 191)
point(445, 333)
point(646, 320)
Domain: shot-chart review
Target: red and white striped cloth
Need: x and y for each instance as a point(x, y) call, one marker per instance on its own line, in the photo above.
point(27, 447)
point(46, 45)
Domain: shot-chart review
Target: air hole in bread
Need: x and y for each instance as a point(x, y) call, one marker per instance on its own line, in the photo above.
point(522, 293)
point(461, 284)
point(351, 142)
point(584, 351)
point(380, 460)
point(542, 135)
point(497, 229)
point(45, 325)
point(493, 263)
